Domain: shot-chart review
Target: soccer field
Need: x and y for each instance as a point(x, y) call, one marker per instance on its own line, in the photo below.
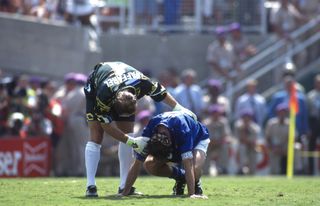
point(220, 190)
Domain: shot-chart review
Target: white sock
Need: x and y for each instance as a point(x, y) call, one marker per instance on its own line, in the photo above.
point(125, 154)
point(92, 157)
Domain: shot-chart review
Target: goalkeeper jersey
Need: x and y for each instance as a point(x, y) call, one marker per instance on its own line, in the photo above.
point(110, 77)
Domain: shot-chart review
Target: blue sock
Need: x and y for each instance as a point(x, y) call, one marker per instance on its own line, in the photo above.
point(177, 173)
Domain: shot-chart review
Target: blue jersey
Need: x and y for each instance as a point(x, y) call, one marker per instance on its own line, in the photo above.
point(185, 133)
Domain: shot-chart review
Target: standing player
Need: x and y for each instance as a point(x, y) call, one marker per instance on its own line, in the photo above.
point(111, 92)
point(174, 137)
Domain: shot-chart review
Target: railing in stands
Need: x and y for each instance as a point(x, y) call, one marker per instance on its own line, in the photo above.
point(183, 15)
point(269, 71)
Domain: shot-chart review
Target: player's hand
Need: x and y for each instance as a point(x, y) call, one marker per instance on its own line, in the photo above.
point(194, 196)
point(138, 143)
point(178, 107)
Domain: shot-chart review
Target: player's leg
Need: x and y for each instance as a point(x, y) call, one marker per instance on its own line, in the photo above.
point(199, 158)
point(92, 156)
point(125, 154)
point(161, 168)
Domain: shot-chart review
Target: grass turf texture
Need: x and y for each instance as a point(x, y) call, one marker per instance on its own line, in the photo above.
point(157, 191)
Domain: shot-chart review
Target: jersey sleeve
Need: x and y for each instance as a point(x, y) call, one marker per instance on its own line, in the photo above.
point(106, 119)
point(154, 89)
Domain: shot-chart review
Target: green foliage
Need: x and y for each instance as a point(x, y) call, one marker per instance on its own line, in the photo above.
point(221, 191)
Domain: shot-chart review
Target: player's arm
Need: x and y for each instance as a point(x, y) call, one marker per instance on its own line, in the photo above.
point(170, 101)
point(190, 177)
point(114, 132)
point(132, 176)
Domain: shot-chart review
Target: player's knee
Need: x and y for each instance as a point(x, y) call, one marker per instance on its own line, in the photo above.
point(149, 166)
point(96, 132)
point(199, 159)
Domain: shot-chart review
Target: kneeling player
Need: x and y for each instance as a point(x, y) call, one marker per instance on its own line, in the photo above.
point(174, 137)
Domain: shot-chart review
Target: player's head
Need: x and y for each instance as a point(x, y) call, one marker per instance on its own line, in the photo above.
point(125, 102)
point(160, 144)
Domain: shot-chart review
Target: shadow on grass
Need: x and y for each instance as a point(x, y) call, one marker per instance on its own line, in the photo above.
point(116, 197)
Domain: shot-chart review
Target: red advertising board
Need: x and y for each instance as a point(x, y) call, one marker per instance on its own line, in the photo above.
point(30, 157)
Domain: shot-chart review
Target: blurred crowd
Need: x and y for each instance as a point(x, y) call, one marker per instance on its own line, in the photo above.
point(287, 16)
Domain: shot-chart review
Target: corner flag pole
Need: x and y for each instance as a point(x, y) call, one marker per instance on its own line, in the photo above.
point(293, 107)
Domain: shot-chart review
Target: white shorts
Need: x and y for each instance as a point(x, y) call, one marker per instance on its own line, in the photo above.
point(203, 145)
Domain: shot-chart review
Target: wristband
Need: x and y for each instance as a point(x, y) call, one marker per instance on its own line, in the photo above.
point(131, 142)
point(178, 107)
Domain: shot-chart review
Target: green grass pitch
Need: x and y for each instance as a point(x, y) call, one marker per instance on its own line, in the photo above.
point(220, 190)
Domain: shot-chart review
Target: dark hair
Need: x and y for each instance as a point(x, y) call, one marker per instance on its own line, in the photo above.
point(125, 102)
point(159, 146)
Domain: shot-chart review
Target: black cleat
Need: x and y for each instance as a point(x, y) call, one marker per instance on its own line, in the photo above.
point(178, 188)
point(91, 191)
point(198, 188)
point(132, 191)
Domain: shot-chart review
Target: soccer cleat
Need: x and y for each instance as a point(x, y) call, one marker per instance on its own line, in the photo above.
point(91, 191)
point(198, 188)
point(132, 191)
point(178, 188)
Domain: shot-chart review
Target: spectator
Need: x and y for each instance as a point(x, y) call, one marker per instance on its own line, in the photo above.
point(220, 138)
point(310, 8)
point(241, 46)
point(221, 57)
point(171, 12)
point(314, 119)
point(189, 93)
point(79, 11)
point(75, 132)
point(52, 110)
point(170, 80)
point(276, 133)
point(4, 109)
point(247, 132)
point(27, 6)
point(254, 101)
point(41, 10)
point(36, 125)
point(283, 96)
point(146, 11)
point(214, 96)
point(285, 19)
point(20, 97)
point(143, 118)
point(289, 70)
point(32, 92)
point(7, 6)
point(16, 123)
point(146, 103)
